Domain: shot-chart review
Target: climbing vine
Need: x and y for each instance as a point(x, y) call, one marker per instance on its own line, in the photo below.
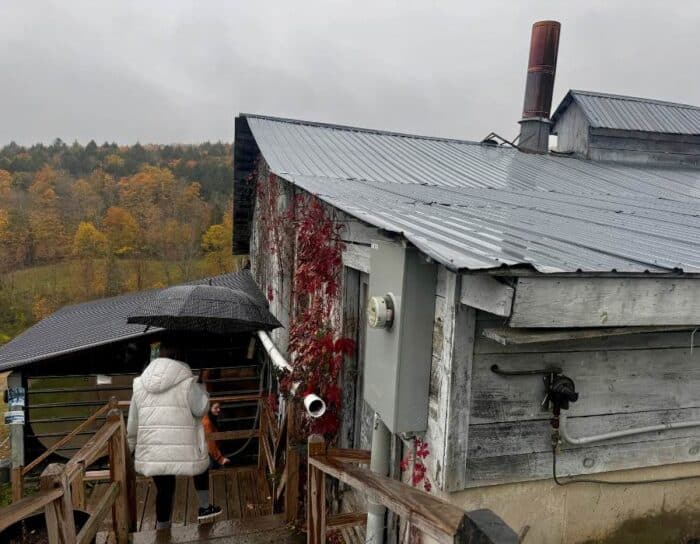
point(415, 461)
point(306, 239)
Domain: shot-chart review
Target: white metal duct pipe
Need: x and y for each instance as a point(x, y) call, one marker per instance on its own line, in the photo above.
point(379, 463)
point(566, 437)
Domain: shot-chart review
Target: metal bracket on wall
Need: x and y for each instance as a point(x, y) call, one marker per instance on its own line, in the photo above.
point(548, 375)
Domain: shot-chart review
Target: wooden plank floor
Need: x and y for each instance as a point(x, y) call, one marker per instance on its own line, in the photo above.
point(241, 492)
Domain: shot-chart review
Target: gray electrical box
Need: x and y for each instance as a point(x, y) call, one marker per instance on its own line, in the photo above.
point(399, 351)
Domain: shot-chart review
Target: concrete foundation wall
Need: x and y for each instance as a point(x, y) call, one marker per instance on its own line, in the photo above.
point(542, 512)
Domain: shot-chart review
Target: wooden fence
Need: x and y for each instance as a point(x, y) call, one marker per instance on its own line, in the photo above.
point(63, 489)
point(444, 522)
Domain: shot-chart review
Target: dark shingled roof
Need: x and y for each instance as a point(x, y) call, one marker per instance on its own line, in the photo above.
point(98, 322)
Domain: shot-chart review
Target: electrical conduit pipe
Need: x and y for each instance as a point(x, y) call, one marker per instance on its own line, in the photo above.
point(379, 463)
point(566, 437)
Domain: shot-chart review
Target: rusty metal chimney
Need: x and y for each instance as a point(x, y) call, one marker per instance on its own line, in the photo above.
point(541, 69)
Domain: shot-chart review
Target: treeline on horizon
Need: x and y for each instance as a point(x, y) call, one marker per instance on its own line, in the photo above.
point(81, 222)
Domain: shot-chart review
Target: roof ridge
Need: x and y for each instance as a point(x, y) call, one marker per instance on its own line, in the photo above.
point(621, 97)
point(350, 128)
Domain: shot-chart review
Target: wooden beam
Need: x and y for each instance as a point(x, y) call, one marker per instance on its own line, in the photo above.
point(59, 513)
point(605, 302)
point(316, 494)
point(118, 452)
point(63, 441)
point(233, 435)
point(345, 455)
point(27, 506)
point(89, 530)
point(507, 336)
point(436, 518)
point(356, 256)
point(487, 293)
point(346, 520)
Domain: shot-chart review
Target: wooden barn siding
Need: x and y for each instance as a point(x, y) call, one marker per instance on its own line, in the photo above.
point(450, 384)
point(452, 347)
point(268, 273)
point(624, 382)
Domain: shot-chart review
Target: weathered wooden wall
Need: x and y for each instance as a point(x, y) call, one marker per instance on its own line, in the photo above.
point(623, 381)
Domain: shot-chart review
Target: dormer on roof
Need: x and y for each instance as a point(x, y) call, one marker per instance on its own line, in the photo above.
point(610, 127)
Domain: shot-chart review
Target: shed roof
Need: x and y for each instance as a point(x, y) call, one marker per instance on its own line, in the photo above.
point(630, 113)
point(95, 323)
point(476, 206)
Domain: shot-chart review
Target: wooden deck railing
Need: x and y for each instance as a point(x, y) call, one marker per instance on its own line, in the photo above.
point(444, 522)
point(62, 488)
point(279, 456)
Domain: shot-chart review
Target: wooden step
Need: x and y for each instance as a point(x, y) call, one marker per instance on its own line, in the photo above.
point(265, 529)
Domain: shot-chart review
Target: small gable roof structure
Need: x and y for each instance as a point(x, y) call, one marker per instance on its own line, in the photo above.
point(475, 206)
point(618, 112)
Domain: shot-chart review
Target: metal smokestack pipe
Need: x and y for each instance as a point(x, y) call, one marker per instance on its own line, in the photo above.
point(541, 69)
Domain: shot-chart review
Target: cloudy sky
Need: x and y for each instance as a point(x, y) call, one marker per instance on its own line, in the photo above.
point(181, 70)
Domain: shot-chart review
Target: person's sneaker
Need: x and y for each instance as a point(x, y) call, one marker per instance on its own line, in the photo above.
point(209, 512)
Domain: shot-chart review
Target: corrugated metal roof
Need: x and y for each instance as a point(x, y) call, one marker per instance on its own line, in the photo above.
point(631, 113)
point(98, 322)
point(476, 206)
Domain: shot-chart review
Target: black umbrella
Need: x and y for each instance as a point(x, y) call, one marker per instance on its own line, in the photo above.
point(208, 308)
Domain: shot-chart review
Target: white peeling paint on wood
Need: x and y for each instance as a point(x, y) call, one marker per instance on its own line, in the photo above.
point(450, 388)
point(605, 302)
point(356, 256)
point(487, 293)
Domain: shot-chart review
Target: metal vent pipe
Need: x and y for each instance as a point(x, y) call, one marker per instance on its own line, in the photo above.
point(539, 87)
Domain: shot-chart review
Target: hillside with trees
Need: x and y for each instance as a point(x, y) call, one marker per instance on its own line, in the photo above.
point(83, 222)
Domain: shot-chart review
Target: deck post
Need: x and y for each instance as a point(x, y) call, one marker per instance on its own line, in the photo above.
point(16, 403)
point(118, 473)
point(262, 435)
point(291, 490)
point(60, 523)
point(316, 494)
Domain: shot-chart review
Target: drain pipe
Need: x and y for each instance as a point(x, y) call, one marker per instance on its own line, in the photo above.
point(275, 356)
point(379, 463)
point(566, 437)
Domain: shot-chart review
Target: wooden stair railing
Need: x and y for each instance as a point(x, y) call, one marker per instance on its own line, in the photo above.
point(62, 486)
point(278, 456)
point(443, 521)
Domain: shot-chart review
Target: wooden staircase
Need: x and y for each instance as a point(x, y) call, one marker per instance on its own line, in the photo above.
point(265, 529)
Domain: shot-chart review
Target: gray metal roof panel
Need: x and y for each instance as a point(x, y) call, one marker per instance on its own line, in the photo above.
point(97, 322)
point(474, 206)
point(632, 113)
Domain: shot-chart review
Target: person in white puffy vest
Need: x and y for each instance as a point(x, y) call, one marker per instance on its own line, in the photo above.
point(165, 431)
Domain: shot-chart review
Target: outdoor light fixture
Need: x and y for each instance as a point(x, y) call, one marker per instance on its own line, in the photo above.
point(380, 312)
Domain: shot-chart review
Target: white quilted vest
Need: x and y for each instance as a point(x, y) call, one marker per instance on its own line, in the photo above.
point(168, 405)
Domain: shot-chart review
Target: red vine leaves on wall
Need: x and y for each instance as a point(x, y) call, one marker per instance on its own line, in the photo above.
point(305, 238)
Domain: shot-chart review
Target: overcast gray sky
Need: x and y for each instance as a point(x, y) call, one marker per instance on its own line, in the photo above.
point(181, 70)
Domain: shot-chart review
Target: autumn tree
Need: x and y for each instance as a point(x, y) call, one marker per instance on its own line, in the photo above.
point(122, 232)
point(217, 243)
point(89, 244)
point(47, 226)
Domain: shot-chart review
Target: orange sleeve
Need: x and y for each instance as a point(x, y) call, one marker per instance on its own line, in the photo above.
point(212, 446)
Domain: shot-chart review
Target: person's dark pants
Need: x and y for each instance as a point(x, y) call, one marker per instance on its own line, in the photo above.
point(165, 492)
